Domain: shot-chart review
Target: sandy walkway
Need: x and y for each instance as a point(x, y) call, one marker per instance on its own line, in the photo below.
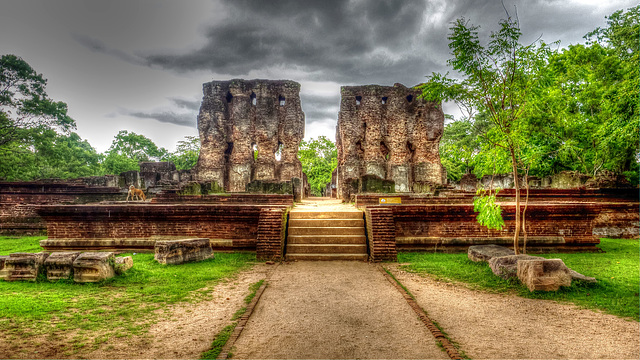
point(490, 326)
point(333, 310)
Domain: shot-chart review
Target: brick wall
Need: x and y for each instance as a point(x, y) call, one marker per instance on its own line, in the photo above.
point(447, 196)
point(271, 234)
point(18, 201)
point(237, 224)
point(167, 197)
point(454, 226)
point(381, 234)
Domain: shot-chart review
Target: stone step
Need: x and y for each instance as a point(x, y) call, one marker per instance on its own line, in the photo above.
point(322, 257)
point(325, 214)
point(293, 249)
point(326, 239)
point(326, 222)
point(321, 231)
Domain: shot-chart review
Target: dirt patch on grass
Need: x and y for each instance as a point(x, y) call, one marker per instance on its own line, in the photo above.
point(183, 330)
point(493, 326)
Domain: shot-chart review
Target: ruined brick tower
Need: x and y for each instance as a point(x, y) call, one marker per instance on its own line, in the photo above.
point(241, 117)
point(388, 133)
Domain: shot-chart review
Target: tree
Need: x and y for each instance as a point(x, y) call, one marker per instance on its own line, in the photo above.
point(319, 158)
point(35, 132)
point(127, 150)
point(501, 79)
point(186, 155)
point(24, 103)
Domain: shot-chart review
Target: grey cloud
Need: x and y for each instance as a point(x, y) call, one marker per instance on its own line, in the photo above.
point(98, 46)
point(170, 117)
point(318, 108)
point(193, 105)
point(338, 39)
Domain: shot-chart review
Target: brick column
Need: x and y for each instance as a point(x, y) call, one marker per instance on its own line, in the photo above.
point(381, 234)
point(271, 232)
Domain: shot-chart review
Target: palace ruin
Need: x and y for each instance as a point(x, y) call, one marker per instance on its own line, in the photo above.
point(388, 133)
point(244, 126)
point(247, 180)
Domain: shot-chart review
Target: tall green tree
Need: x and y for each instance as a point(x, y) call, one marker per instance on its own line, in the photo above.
point(319, 158)
point(186, 155)
point(501, 79)
point(24, 103)
point(127, 150)
point(35, 131)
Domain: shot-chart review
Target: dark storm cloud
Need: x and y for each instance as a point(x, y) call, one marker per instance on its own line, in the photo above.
point(319, 108)
point(344, 41)
point(377, 41)
point(170, 117)
point(193, 105)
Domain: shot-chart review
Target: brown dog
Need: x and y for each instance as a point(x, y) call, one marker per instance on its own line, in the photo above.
point(136, 193)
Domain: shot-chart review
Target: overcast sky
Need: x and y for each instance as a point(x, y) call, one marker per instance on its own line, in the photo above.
point(140, 65)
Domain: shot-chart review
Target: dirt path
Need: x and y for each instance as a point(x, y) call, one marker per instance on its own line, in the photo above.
point(187, 329)
point(490, 326)
point(333, 309)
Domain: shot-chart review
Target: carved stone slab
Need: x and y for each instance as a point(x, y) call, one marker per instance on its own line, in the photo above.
point(123, 263)
point(93, 267)
point(59, 265)
point(181, 251)
point(24, 266)
point(479, 253)
point(3, 269)
point(544, 274)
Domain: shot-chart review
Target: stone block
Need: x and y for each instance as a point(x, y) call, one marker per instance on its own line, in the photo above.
point(181, 251)
point(3, 269)
point(93, 267)
point(123, 263)
point(579, 277)
point(507, 266)
point(479, 253)
point(544, 274)
point(374, 184)
point(24, 266)
point(59, 265)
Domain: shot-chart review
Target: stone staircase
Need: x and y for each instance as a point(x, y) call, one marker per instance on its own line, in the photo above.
point(326, 235)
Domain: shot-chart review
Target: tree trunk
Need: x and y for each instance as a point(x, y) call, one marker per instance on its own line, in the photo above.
point(524, 220)
point(516, 186)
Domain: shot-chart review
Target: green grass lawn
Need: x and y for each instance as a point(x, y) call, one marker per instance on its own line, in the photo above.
point(121, 306)
point(617, 271)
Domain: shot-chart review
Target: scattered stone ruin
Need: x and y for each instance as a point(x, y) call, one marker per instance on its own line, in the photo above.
point(387, 141)
point(243, 119)
point(388, 134)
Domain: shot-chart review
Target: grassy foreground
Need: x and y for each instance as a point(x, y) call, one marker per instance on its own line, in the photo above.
point(122, 306)
point(617, 271)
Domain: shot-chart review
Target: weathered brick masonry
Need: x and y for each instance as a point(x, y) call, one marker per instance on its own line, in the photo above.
point(572, 219)
point(271, 234)
point(171, 196)
point(136, 226)
point(381, 234)
point(454, 227)
point(18, 201)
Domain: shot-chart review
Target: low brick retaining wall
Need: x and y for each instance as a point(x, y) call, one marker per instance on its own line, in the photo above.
point(19, 199)
point(447, 196)
point(550, 227)
point(171, 196)
point(138, 226)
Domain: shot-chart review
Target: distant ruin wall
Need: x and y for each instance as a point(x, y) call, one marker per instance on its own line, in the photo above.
point(388, 132)
point(238, 117)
